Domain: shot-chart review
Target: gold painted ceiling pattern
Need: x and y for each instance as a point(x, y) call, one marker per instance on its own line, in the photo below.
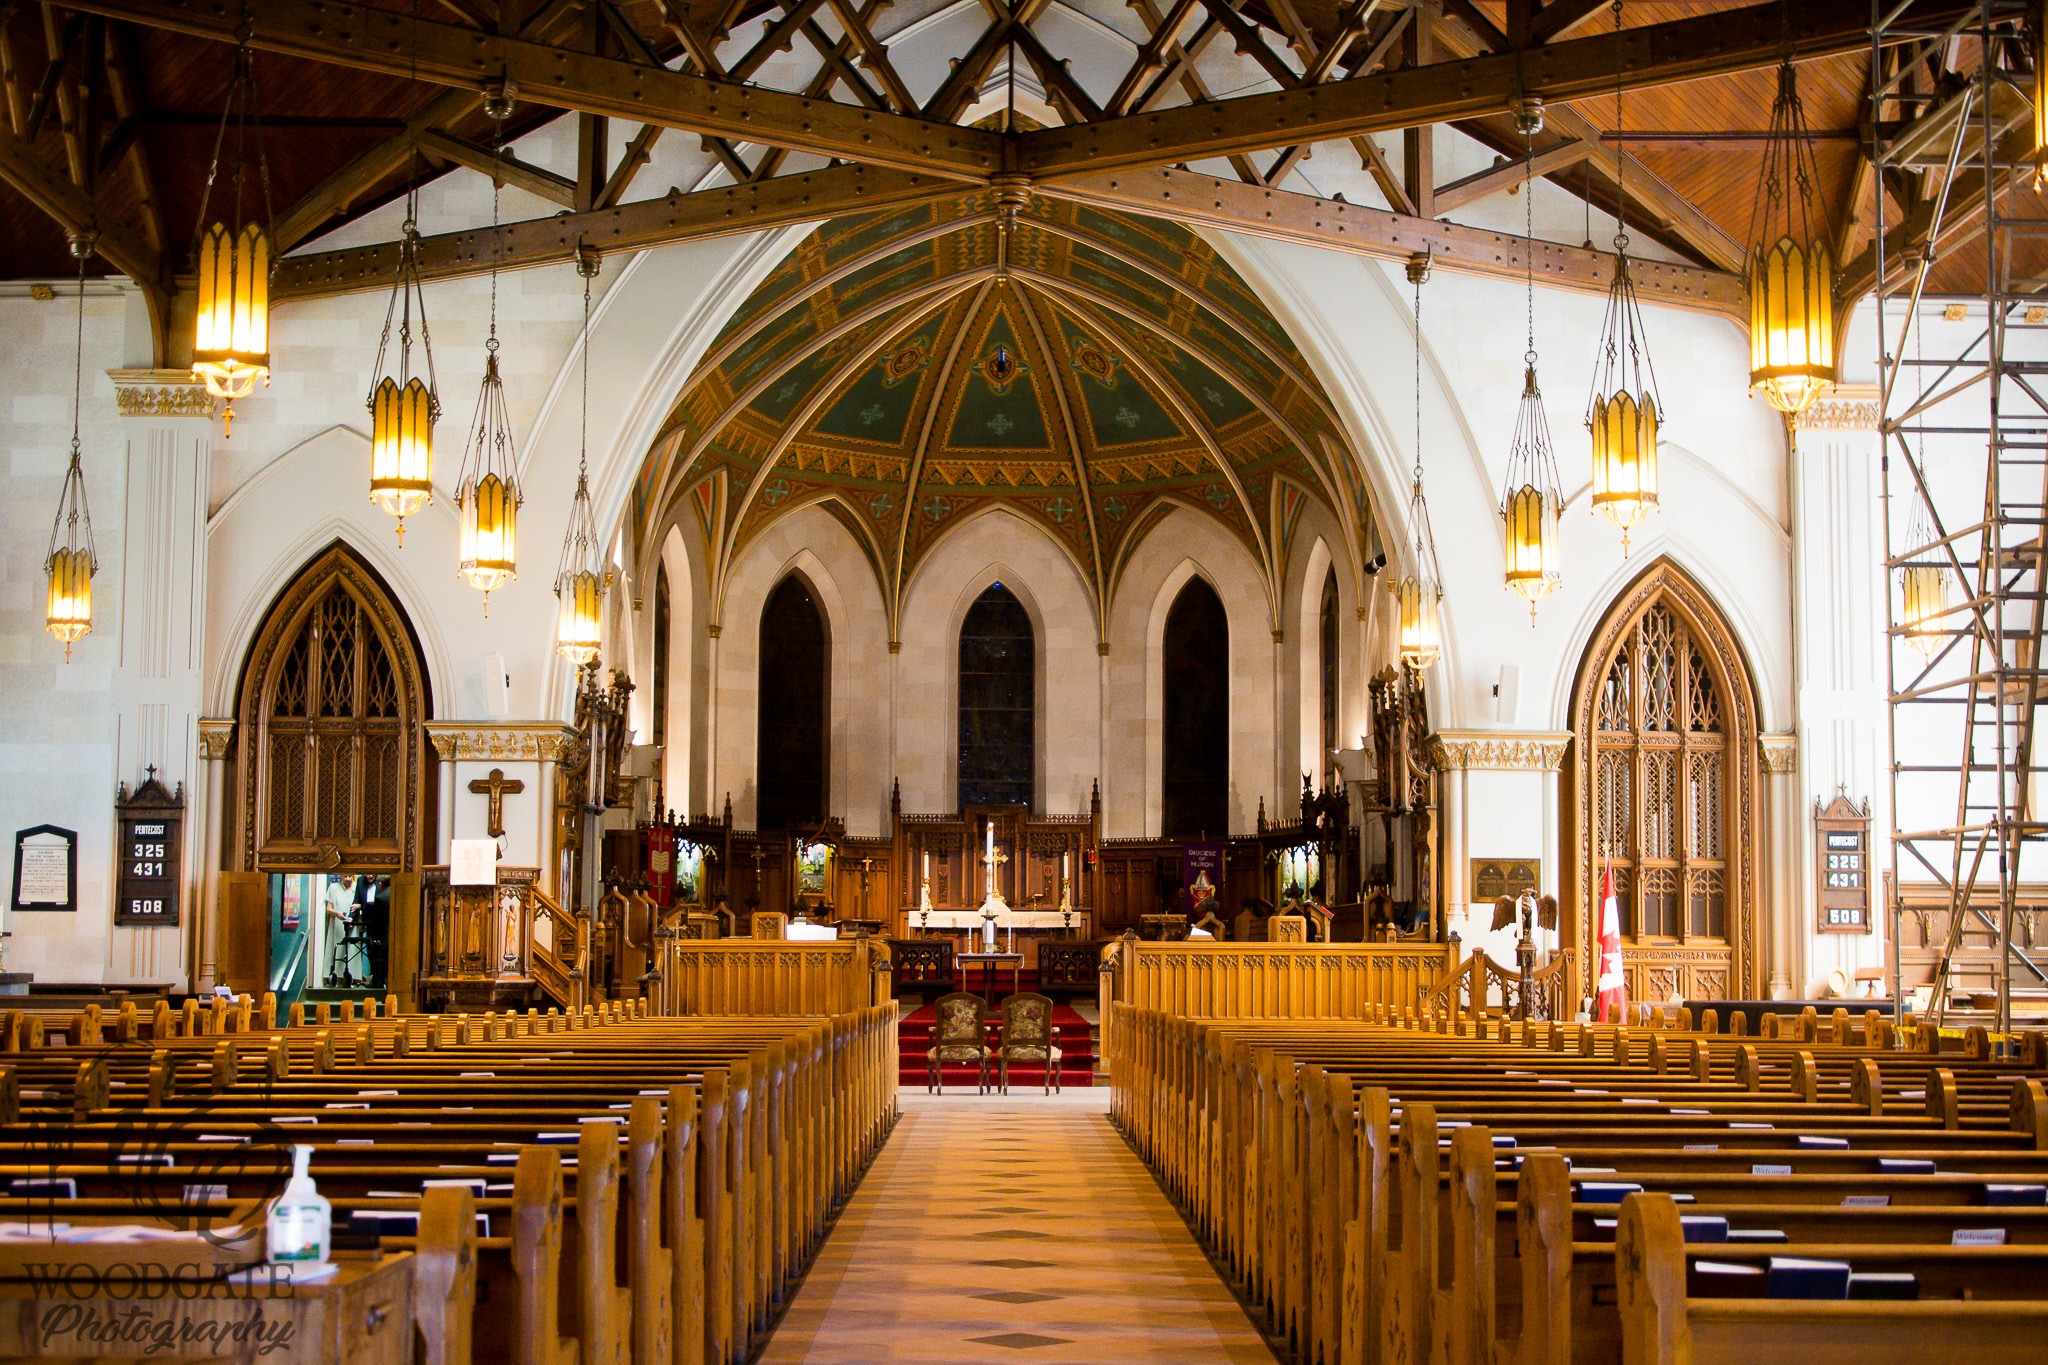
point(1088, 371)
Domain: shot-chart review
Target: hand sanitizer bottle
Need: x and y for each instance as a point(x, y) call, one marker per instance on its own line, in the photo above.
point(301, 1219)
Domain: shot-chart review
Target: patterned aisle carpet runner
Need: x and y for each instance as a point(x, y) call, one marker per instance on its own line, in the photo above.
point(1011, 1230)
point(1077, 1053)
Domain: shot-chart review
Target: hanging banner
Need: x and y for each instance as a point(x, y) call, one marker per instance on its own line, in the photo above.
point(1201, 871)
point(661, 864)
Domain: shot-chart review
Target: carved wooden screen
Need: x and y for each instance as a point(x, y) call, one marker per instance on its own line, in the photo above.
point(1666, 769)
point(331, 747)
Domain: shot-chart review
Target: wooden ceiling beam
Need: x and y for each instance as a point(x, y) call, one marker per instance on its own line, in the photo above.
point(1507, 175)
point(445, 54)
point(1476, 87)
point(505, 169)
point(675, 217)
point(125, 87)
point(49, 189)
point(1192, 198)
point(1560, 18)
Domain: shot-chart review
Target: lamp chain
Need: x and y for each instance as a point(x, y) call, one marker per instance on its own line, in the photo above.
point(583, 432)
point(1418, 395)
point(1529, 241)
point(1621, 150)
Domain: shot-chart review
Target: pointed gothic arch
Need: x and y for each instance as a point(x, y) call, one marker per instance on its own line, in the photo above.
point(1664, 782)
point(331, 755)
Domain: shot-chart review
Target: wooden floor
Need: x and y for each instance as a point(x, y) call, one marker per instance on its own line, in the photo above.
point(1018, 1229)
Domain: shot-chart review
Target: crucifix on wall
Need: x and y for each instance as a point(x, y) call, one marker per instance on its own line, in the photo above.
point(497, 786)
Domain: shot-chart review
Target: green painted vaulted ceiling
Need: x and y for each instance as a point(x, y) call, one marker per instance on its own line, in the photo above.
point(908, 370)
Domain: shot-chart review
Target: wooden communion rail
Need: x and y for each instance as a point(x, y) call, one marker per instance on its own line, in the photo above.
point(600, 1186)
point(1471, 1191)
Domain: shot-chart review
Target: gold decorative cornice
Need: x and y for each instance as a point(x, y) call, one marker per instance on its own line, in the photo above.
point(1780, 753)
point(215, 736)
point(161, 393)
point(510, 741)
point(1539, 751)
point(1850, 407)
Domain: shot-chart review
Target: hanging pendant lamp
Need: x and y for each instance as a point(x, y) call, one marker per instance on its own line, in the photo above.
point(487, 499)
point(1923, 586)
point(231, 333)
point(405, 403)
point(583, 579)
point(1532, 498)
point(1623, 412)
point(71, 562)
point(1420, 591)
point(1792, 273)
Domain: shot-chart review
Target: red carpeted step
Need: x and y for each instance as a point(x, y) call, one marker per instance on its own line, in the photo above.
point(1075, 1040)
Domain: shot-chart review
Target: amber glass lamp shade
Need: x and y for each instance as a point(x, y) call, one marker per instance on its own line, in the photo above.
point(69, 613)
point(231, 338)
point(1533, 560)
point(1792, 324)
point(402, 448)
point(581, 598)
point(1625, 459)
point(489, 517)
point(1923, 599)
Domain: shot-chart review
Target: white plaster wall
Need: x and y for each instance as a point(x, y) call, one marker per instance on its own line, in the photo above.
point(59, 724)
point(998, 546)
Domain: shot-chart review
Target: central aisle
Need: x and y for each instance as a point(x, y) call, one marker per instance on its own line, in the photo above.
point(1018, 1229)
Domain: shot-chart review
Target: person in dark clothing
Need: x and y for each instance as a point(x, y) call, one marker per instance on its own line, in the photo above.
point(373, 906)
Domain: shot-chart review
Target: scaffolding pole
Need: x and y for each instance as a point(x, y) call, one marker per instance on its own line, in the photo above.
point(1963, 421)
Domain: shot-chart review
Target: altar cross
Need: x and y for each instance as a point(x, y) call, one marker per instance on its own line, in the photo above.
point(496, 786)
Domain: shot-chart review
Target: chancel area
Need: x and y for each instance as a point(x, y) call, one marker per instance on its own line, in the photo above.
point(704, 681)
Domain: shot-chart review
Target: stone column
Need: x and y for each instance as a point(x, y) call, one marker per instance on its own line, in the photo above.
point(1787, 913)
point(1839, 644)
point(159, 602)
point(206, 807)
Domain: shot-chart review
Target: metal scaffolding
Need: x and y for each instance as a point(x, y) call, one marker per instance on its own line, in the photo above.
point(1964, 429)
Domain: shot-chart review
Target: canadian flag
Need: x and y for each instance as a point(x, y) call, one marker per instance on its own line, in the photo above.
point(1613, 986)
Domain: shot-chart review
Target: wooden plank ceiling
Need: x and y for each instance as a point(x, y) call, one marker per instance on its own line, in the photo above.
point(126, 106)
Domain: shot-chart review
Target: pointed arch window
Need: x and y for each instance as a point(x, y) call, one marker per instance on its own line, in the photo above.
point(1660, 784)
point(998, 701)
point(661, 665)
point(1195, 760)
point(1327, 643)
point(794, 706)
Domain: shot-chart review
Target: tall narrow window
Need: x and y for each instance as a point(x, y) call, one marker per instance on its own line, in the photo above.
point(1195, 777)
point(998, 701)
point(794, 706)
point(661, 654)
point(1328, 638)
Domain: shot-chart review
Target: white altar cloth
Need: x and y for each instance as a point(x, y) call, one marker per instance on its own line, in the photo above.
point(1013, 919)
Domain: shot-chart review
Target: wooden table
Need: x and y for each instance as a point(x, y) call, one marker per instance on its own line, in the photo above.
point(992, 961)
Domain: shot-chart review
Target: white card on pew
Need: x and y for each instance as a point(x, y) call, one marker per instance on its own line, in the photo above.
point(501, 1158)
point(1770, 1170)
point(458, 1109)
point(1866, 1201)
point(294, 1118)
point(344, 1104)
point(600, 1118)
point(355, 1142)
point(1905, 1165)
point(1811, 1143)
point(376, 1094)
point(1577, 1091)
point(627, 1105)
point(476, 1075)
point(654, 1092)
point(1702, 1147)
point(1978, 1237)
point(1733, 1124)
point(499, 1188)
point(1550, 1081)
point(1912, 1094)
point(1625, 1099)
point(223, 1137)
point(153, 1160)
point(1694, 1113)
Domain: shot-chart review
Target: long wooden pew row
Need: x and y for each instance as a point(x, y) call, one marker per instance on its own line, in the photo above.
point(730, 1168)
point(1226, 1138)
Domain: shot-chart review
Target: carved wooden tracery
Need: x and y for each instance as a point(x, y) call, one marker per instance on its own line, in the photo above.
point(1666, 787)
point(331, 757)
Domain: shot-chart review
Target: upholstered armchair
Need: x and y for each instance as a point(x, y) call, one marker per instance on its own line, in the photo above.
point(1028, 1037)
point(958, 1035)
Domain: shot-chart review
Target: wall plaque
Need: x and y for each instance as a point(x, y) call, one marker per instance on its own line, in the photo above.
point(146, 881)
point(46, 868)
point(1842, 833)
point(1493, 878)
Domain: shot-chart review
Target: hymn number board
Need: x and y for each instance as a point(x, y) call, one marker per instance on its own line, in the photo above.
point(146, 884)
point(1842, 829)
